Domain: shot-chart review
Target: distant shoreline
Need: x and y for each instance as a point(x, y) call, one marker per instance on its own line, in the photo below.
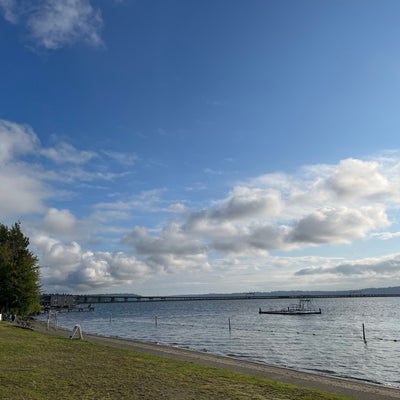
point(340, 386)
point(70, 299)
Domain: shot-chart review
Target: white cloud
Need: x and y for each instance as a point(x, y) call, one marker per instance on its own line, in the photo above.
point(386, 235)
point(21, 192)
point(31, 174)
point(388, 266)
point(53, 23)
point(244, 203)
point(9, 10)
point(69, 267)
point(355, 179)
point(253, 240)
point(338, 225)
point(16, 140)
point(77, 174)
point(122, 158)
point(240, 223)
point(172, 252)
point(148, 200)
point(319, 205)
point(59, 221)
point(57, 23)
point(236, 235)
point(177, 208)
point(65, 153)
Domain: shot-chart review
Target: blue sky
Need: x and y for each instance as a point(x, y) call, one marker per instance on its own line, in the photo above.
point(179, 146)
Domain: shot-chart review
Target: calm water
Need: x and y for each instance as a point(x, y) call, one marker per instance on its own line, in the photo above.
point(330, 343)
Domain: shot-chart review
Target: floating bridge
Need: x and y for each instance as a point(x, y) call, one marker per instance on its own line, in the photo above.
point(104, 298)
point(70, 300)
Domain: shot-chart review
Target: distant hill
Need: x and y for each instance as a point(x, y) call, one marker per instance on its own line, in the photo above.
point(389, 291)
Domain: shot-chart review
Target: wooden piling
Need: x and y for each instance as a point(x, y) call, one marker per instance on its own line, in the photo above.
point(363, 327)
point(48, 320)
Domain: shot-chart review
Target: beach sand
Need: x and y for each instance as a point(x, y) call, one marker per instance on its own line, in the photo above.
point(346, 387)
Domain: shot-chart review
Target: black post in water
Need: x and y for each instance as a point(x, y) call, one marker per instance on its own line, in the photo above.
point(229, 322)
point(364, 333)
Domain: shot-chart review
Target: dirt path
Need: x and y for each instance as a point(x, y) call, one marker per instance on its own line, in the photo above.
point(346, 387)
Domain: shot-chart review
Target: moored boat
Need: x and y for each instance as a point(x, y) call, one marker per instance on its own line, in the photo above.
point(303, 307)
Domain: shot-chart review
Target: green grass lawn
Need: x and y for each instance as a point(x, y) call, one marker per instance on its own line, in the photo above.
point(38, 366)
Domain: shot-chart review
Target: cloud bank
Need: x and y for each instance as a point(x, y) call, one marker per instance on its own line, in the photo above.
point(336, 205)
point(258, 219)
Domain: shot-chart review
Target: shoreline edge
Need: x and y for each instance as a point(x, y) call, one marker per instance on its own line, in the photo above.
point(335, 385)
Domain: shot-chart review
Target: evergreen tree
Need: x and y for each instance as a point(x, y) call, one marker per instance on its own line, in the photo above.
point(19, 273)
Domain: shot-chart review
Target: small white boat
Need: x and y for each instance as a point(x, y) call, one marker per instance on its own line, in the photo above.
point(304, 307)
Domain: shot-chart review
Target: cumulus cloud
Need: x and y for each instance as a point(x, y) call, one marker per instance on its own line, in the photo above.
point(338, 225)
point(240, 222)
point(59, 221)
point(68, 266)
point(357, 179)
point(253, 220)
point(324, 204)
point(53, 24)
point(245, 203)
point(172, 251)
point(388, 266)
point(316, 206)
point(252, 240)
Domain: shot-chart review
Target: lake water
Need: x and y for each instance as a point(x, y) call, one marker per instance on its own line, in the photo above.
point(330, 343)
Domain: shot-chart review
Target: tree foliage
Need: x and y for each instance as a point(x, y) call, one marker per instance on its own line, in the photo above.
point(19, 273)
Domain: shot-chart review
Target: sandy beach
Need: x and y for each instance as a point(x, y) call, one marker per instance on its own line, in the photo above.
point(346, 387)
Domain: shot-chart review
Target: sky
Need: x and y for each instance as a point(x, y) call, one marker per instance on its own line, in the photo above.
point(164, 147)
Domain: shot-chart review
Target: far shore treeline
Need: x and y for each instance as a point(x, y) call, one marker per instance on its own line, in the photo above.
point(65, 300)
point(19, 273)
